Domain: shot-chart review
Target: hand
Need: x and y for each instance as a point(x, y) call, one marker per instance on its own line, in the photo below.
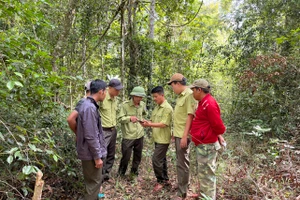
point(172, 139)
point(98, 163)
point(133, 119)
point(183, 142)
point(146, 123)
point(222, 140)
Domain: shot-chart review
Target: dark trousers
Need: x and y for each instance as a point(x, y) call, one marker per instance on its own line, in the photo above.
point(110, 140)
point(92, 179)
point(183, 167)
point(128, 146)
point(159, 162)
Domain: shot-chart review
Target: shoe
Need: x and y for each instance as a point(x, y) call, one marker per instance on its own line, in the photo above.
point(157, 187)
point(100, 195)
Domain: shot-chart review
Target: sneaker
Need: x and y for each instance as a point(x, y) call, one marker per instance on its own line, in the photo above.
point(100, 195)
point(157, 187)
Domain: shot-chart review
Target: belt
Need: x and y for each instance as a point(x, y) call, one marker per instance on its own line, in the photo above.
point(108, 128)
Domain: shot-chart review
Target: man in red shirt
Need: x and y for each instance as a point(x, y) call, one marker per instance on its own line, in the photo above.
point(206, 132)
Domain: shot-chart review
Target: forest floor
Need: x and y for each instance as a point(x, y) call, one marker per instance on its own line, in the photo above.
point(273, 173)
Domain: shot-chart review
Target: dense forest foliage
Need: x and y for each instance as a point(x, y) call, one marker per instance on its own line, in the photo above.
point(248, 50)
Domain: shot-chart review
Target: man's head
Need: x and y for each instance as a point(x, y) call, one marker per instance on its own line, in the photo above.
point(98, 89)
point(178, 83)
point(114, 87)
point(137, 94)
point(87, 88)
point(200, 88)
point(158, 94)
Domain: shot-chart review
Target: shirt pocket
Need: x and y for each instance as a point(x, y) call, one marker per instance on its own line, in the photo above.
point(180, 108)
point(158, 117)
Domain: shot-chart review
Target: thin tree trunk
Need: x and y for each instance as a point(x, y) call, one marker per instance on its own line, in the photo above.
point(67, 25)
point(152, 19)
point(123, 29)
point(84, 56)
point(151, 36)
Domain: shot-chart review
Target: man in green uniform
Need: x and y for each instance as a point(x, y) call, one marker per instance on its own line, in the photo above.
point(161, 120)
point(183, 116)
point(108, 112)
point(131, 113)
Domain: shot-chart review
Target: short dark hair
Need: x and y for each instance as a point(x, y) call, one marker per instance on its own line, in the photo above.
point(158, 89)
point(97, 85)
point(205, 90)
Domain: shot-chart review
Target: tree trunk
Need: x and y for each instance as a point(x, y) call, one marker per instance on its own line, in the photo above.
point(151, 36)
point(152, 19)
point(122, 60)
point(132, 76)
point(67, 25)
point(84, 56)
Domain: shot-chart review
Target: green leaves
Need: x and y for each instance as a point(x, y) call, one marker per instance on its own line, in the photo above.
point(10, 84)
point(10, 159)
point(28, 169)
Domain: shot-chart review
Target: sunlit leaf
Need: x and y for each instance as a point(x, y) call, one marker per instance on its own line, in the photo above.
point(10, 85)
point(32, 147)
point(10, 159)
point(12, 150)
point(28, 169)
point(18, 155)
point(18, 74)
point(55, 158)
point(18, 84)
point(25, 191)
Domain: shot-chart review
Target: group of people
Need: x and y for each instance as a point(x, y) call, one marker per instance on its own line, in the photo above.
point(95, 129)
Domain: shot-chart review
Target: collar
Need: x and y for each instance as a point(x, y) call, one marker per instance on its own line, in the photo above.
point(109, 97)
point(132, 104)
point(204, 98)
point(163, 104)
point(184, 91)
point(93, 101)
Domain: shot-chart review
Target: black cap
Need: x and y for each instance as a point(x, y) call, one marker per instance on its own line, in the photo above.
point(115, 83)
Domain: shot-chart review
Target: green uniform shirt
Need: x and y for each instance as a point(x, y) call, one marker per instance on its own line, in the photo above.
point(162, 114)
point(108, 111)
point(129, 129)
point(185, 104)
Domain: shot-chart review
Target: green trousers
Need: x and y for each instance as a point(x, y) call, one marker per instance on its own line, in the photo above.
point(92, 179)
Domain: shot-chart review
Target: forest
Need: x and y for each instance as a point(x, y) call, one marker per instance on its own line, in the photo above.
point(248, 50)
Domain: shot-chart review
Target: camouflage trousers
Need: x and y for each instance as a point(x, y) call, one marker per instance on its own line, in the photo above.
point(206, 167)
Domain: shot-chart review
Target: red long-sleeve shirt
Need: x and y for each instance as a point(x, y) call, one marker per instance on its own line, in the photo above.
point(207, 123)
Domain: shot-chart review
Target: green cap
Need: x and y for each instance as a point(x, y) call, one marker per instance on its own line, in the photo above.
point(138, 91)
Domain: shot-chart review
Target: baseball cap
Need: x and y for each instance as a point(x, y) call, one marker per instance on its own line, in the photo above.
point(200, 83)
point(176, 77)
point(115, 83)
point(87, 86)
